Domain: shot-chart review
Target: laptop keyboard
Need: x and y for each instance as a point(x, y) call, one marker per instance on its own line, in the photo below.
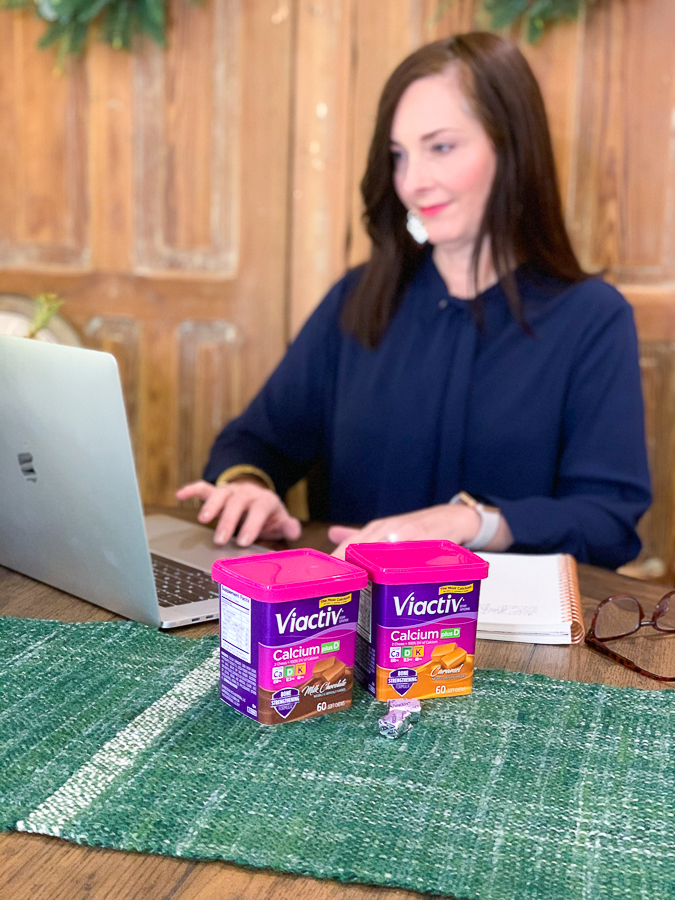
point(178, 584)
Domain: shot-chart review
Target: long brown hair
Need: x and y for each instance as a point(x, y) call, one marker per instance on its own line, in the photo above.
point(523, 216)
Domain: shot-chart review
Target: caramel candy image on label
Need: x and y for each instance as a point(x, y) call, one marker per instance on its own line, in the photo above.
point(442, 650)
point(454, 658)
point(448, 656)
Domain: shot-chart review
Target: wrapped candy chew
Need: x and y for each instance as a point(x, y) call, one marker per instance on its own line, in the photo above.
point(411, 706)
point(395, 723)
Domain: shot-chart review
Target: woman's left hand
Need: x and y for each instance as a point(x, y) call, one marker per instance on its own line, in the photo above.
point(452, 522)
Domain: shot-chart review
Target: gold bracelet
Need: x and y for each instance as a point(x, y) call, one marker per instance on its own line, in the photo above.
point(235, 472)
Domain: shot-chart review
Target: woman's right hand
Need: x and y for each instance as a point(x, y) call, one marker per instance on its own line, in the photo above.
point(261, 511)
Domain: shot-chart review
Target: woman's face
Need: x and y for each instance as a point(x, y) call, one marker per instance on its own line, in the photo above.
point(444, 161)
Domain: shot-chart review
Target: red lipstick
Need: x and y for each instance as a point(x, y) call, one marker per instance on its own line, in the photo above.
point(430, 211)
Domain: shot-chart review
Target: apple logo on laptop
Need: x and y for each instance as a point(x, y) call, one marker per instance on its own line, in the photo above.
point(26, 463)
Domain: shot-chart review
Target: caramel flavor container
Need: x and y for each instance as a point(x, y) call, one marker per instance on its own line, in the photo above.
point(417, 618)
point(287, 633)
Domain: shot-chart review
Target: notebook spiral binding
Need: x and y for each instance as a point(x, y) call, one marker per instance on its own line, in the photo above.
point(570, 597)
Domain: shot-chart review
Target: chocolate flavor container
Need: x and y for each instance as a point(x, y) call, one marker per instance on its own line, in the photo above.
point(417, 618)
point(287, 633)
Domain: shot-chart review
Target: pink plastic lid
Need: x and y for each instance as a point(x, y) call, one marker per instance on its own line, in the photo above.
point(288, 575)
point(417, 562)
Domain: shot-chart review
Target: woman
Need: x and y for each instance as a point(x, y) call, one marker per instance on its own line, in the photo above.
point(474, 357)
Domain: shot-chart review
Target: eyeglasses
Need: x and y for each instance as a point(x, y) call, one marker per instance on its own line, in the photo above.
point(620, 616)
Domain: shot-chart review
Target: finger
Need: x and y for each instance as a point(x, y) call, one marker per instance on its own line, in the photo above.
point(214, 503)
point(377, 530)
point(291, 528)
point(390, 529)
point(259, 512)
point(352, 536)
point(281, 525)
point(229, 518)
point(339, 551)
point(338, 533)
point(199, 489)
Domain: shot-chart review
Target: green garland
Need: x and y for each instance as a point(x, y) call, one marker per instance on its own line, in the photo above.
point(117, 21)
point(534, 15)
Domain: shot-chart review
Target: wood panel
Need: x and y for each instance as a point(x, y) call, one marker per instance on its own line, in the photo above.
point(622, 204)
point(657, 528)
point(321, 140)
point(385, 33)
point(654, 309)
point(187, 144)
point(210, 389)
point(161, 223)
point(621, 215)
point(44, 214)
point(555, 61)
point(157, 459)
point(110, 130)
point(120, 336)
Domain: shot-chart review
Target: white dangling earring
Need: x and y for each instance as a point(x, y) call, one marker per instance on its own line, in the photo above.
point(416, 228)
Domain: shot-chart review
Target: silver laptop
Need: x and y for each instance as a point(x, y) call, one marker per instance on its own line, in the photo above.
point(70, 509)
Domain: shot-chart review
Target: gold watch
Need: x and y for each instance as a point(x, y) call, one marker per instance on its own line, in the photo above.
point(490, 517)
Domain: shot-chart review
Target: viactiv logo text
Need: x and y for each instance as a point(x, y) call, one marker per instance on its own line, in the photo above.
point(294, 623)
point(411, 607)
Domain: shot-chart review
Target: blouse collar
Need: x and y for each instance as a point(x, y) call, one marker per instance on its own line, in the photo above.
point(429, 293)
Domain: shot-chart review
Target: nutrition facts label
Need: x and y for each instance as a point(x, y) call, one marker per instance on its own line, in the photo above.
point(235, 623)
point(238, 674)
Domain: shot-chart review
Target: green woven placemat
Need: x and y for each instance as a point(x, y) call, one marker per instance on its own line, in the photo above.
point(114, 735)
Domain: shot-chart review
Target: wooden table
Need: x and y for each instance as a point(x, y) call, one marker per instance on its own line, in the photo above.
point(44, 868)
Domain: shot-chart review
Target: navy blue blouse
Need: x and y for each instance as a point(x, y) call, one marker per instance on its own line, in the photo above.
point(549, 427)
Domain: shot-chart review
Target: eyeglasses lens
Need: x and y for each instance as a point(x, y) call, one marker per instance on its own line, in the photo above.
point(666, 621)
point(617, 617)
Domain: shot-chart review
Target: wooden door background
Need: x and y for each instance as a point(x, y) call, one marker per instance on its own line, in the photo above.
point(192, 205)
point(151, 192)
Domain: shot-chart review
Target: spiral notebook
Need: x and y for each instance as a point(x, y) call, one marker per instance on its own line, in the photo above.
point(532, 599)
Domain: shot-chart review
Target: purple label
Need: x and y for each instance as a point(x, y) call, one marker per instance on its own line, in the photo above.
point(407, 623)
point(293, 658)
point(415, 646)
point(295, 662)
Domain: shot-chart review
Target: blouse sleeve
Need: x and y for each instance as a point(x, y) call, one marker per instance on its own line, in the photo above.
point(603, 482)
point(284, 429)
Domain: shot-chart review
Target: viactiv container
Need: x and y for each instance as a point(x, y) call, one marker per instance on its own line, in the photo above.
point(417, 618)
point(287, 633)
